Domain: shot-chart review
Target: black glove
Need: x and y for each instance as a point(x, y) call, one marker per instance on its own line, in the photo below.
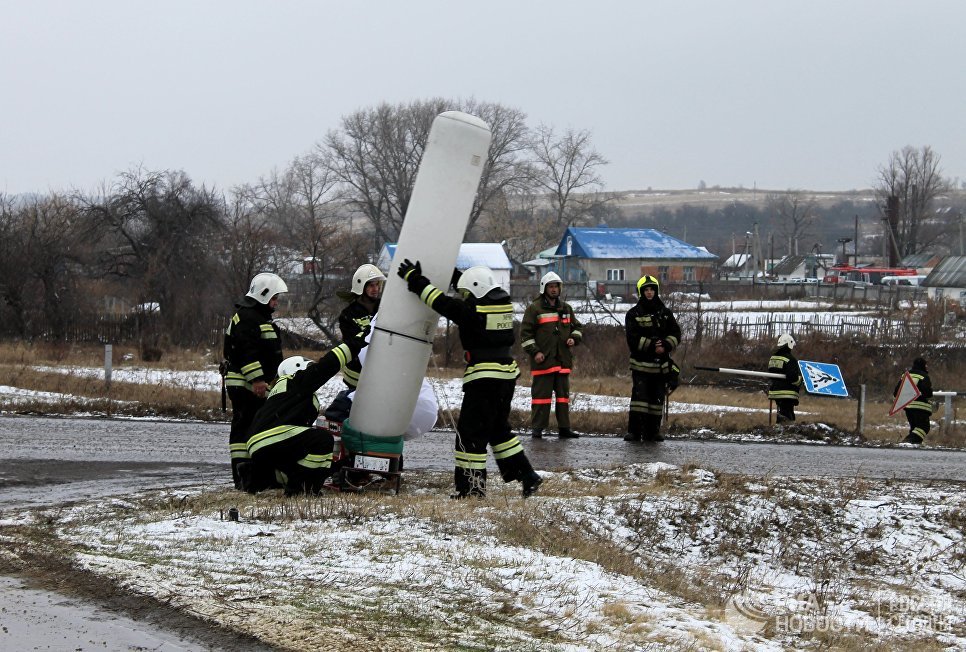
point(407, 268)
point(456, 277)
point(357, 343)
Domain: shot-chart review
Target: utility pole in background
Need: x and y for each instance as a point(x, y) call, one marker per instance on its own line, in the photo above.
point(855, 246)
point(890, 252)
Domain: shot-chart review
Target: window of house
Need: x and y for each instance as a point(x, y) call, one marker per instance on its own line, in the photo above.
point(689, 274)
point(662, 272)
point(615, 275)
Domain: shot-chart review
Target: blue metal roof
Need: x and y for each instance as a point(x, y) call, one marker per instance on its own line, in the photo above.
point(627, 243)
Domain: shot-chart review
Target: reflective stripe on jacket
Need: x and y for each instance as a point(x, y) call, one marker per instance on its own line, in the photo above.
point(546, 329)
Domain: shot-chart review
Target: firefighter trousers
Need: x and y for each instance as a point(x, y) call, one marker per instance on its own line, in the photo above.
point(648, 391)
point(300, 463)
point(918, 422)
point(484, 420)
point(542, 390)
point(244, 405)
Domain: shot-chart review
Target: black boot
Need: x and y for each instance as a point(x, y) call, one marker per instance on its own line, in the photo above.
point(469, 483)
point(567, 433)
point(244, 477)
point(537, 433)
point(632, 436)
point(531, 482)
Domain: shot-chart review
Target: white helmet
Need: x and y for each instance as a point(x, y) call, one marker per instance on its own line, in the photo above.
point(363, 275)
point(787, 340)
point(549, 277)
point(291, 366)
point(477, 281)
point(265, 286)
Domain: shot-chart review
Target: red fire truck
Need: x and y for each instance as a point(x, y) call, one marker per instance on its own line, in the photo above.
point(864, 275)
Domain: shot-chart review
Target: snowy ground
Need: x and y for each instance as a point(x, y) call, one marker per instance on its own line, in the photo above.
point(596, 312)
point(448, 391)
point(638, 558)
point(648, 557)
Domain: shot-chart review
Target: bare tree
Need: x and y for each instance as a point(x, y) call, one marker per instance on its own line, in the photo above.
point(247, 241)
point(164, 241)
point(377, 151)
point(913, 179)
point(304, 207)
point(515, 221)
point(567, 169)
point(41, 251)
point(508, 170)
point(796, 213)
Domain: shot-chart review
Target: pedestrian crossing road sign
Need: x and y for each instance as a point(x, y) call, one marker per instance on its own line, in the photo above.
point(823, 378)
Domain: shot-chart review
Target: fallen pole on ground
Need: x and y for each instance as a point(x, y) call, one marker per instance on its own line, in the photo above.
point(741, 372)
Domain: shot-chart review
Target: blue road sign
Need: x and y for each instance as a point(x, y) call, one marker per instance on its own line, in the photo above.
point(822, 378)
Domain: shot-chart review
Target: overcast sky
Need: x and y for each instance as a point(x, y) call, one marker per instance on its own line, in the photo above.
point(776, 94)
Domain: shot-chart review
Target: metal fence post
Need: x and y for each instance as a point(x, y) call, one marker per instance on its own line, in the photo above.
point(108, 359)
point(860, 416)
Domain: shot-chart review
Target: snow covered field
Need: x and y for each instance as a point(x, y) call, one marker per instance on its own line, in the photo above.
point(449, 391)
point(646, 557)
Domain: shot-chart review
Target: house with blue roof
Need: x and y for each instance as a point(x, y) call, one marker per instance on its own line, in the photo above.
point(603, 255)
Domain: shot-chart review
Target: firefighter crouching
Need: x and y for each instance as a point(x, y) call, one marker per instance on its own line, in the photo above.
point(283, 439)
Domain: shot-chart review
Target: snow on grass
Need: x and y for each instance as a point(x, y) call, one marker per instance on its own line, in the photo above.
point(648, 556)
point(449, 392)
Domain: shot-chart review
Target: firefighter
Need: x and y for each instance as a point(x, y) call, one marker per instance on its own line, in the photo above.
point(784, 391)
point(652, 333)
point(364, 296)
point(549, 332)
point(484, 317)
point(919, 410)
point(253, 352)
point(283, 441)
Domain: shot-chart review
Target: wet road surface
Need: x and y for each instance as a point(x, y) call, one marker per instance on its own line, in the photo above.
point(49, 460)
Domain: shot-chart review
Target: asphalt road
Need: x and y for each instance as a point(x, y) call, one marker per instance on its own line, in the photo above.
point(50, 460)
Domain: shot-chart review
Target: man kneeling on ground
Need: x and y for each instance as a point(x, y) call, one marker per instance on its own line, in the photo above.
point(283, 436)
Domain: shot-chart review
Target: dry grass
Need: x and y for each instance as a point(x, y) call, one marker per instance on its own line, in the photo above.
point(667, 529)
point(16, 360)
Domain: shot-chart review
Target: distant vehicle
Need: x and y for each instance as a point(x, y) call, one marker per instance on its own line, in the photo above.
point(864, 276)
point(794, 280)
point(904, 280)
